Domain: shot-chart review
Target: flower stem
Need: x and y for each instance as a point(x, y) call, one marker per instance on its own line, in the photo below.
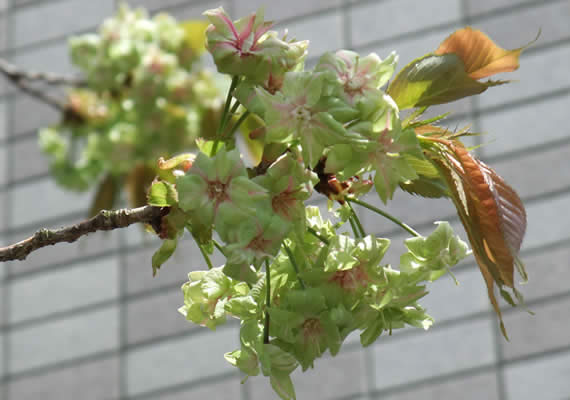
point(267, 302)
point(356, 221)
point(225, 115)
point(219, 247)
point(206, 256)
point(395, 220)
point(317, 235)
point(238, 123)
point(234, 108)
point(294, 264)
point(354, 228)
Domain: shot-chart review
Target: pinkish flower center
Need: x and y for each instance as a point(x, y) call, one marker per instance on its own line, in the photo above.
point(302, 114)
point(355, 85)
point(283, 203)
point(312, 329)
point(350, 279)
point(259, 243)
point(217, 191)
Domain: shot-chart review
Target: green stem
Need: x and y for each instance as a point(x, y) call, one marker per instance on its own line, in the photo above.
point(294, 264)
point(356, 221)
point(206, 256)
point(225, 116)
point(395, 220)
point(317, 235)
point(234, 108)
point(267, 302)
point(238, 123)
point(219, 247)
point(354, 228)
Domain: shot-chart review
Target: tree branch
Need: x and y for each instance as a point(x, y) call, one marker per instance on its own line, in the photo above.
point(13, 72)
point(20, 78)
point(103, 221)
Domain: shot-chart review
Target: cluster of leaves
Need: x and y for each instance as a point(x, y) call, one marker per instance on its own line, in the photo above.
point(145, 96)
point(298, 286)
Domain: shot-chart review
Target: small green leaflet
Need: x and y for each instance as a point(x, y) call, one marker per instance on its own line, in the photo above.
point(162, 194)
point(163, 254)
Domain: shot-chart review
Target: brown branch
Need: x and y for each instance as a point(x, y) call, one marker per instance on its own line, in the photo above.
point(20, 79)
point(103, 221)
point(13, 72)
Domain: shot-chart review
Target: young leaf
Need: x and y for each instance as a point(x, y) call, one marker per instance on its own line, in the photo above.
point(431, 80)
point(431, 188)
point(491, 212)
point(163, 254)
point(480, 55)
point(162, 194)
point(451, 72)
point(283, 386)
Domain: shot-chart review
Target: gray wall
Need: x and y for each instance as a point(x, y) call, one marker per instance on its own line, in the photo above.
point(87, 321)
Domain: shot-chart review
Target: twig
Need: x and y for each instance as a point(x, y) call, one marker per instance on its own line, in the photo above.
point(19, 79)
point(13, 72)
point(103, 221)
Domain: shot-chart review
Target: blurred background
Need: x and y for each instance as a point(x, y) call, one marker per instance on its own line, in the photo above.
point(88, 321)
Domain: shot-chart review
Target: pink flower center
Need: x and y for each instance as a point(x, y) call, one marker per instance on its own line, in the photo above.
point(217, 192)
point(284, 202)
point(259, 243)
point(312, 329)
point(350, 279)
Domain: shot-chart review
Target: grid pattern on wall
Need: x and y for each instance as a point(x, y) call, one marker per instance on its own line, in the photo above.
point(87, 321)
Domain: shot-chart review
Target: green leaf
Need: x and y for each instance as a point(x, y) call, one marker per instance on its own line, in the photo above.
point(206, 146)
point(281, 362)
point(416, 124)
point(426, 187)
point(434, 79)
point(163, 254)
point(283, 386)
point(371, 333)
point(245, 360)
point(162, 194)
point(422, 166)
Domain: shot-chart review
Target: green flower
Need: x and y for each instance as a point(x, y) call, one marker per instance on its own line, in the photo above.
point(247, 48)
point(348, 268)
point(274, 362)
point(250, 241)
point(213, 182)
point(289, 184)
point(206, 295)
point(357, 76)
point(434, 253)
point(299, 113)
point(385, 153)
point(303, 326)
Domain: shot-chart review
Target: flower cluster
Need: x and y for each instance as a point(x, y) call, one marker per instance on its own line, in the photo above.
point(298, 285)
point(145, 96)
